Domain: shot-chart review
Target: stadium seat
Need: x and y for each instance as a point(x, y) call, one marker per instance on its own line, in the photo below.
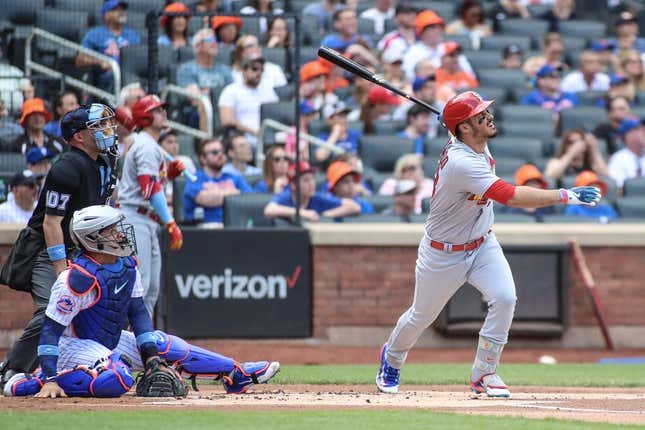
point(425, 205)
point(534, 28)
point(562, 218)
point(144, 6)
point(373, 218)
point(537, 130)
point(590, 98)
point(520, 113)
point(429, 165)
point(375, 179)
point(583, 116)
point(526, 148)
point(246, 210)
point(184, 54)
point(186, 144)
point(513, 218)
point(381, 152)
point(194, 25)
point(488, 59)
point(22, 12)
point(279, 111)
point(307, 54)
point(591, 30)
point(251, 25)
point(388, 127)
point(574, 44)
point(507, 166)
point(445, 9)
point(634, 187)
point(224, 54)
point(134, 60)
point(435, 146)
point(343, 93)
point(277, 56)
point(499, 42)
point(461, 39)
point(631, 207)
point(93, 9)
point(500, 95)
point(137, 21)
point(286, 92)
point(253, 179)
point(70, 25)
point(508, 79)
point(12, 162)
point(379, 202)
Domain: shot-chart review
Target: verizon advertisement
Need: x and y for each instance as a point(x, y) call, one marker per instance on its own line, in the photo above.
point(239, 283)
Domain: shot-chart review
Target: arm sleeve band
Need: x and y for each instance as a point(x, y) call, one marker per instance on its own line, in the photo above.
point(160, 205)
point(149, 186)
point(500, 191)
point(48, 346)
point(57, 252)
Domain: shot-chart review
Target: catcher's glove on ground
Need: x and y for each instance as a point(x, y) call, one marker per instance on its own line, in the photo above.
point(159, 380)
point(581, 196)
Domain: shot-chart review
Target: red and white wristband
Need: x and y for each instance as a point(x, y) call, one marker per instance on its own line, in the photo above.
point(564, 195)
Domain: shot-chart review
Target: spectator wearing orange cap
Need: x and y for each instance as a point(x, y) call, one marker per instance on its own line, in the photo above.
point(342, 182)
point(227, 29)
point(313, 205)
point(530, 176)
point(248, 47)
point(470, 23)
point(378, 107)
point(603, 211)
point(175, 26)
point(450, 73)
point(313, 80)
point(346, 26)
point(430, 44)
point(340, 134)
point(33, 120)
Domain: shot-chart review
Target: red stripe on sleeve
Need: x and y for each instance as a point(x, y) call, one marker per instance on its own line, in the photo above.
point(501, 191)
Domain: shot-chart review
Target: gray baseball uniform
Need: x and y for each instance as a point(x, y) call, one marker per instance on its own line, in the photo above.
point(458, 215)
point(143, 158)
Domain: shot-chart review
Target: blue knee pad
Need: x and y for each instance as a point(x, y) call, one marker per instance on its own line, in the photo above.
point(111, 378)
point(24, 384)
point(190, 358)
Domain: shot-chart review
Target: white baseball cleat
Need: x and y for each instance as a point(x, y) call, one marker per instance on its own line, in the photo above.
point(491, 385)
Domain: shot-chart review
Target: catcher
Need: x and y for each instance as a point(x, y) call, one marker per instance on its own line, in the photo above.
point(83, 351)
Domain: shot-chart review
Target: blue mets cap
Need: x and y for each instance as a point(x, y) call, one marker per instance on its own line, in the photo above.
point(112, 4)
point(547, 70)
point(37, 154)
point(628, 125)
point(420, 81)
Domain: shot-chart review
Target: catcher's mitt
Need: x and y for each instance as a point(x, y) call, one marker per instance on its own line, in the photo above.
point(156, 381)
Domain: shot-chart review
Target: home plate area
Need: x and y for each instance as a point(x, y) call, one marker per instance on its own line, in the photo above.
point(626, 406)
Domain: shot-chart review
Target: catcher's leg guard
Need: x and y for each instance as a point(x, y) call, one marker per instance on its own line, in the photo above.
point(190, 358)
point(23, 384)
point(109, 378)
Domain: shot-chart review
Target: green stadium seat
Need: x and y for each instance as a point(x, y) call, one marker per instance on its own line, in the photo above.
point(526, 148)
point(375, 179)
point(22, 12)
point(536, 130)
point(379, 202)
point(286, 92)
point(631, 207)
point(246, 210)
point(277, 56)
point(12, 162)
point(521, 113)
point(507, 166)
point(634, 187)
point(582, 116)
point(513, 218)
point(534, 28)
point(390, 128)
point(429, 165)
point(562, 218)
point(373, 218)
point(508, 79)
point(279, 111)
point(499, 42)
point(591, 30)
point(488, 59)
point(178, 186)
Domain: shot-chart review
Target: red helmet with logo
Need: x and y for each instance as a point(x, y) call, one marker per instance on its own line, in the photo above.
point(141, 111)
point(461, 107)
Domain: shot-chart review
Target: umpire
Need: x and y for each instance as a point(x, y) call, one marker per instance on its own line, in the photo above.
point(80, 177)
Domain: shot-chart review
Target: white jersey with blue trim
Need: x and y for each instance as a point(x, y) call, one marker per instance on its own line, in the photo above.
point(65, 304)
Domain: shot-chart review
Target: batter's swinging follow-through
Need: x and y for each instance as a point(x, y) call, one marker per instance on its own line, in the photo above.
point(459, 245)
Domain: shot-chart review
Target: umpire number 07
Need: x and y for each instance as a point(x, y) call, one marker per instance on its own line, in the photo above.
point(57, 200)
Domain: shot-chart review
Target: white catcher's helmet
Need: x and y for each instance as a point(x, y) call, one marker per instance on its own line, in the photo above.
point(88, 226)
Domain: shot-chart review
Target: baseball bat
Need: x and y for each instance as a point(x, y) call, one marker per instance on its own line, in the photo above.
point(355, 68)
point(170, 158)
point(590, 285)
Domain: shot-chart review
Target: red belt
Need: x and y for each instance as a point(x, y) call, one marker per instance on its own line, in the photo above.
point(148, 212)
point(449, 247)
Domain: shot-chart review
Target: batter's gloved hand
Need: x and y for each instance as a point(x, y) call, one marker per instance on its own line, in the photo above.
point(159, 380)
point(175, 168)
point(176, 238)
point(588, 196)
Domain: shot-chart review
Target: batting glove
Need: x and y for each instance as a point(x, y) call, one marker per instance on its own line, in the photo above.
point(587, 196)
point(175, 168)
point(176, 238)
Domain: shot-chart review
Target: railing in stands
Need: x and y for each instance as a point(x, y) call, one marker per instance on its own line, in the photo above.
point(31, 64)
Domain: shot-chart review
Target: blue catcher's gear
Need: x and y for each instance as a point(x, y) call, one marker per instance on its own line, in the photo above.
point(113, 283)
point(108, 378)
point(245, 374)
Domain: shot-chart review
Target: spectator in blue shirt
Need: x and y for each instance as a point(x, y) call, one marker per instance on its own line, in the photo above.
point(212, 185)
point(346, 26)
point(240, 154)
point(65, 102)
point(603, 211)
point(417, 127)
point(342, 181)
point(313, 205)
point(547, 93)
point(340, 135)
point(108, 40)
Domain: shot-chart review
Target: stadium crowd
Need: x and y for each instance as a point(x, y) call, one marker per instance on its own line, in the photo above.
point(569, 90)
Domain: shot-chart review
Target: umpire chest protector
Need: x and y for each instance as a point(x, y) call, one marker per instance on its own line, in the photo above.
point(113, 285)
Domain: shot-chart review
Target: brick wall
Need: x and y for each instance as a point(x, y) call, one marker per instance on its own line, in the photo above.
point(371, 286)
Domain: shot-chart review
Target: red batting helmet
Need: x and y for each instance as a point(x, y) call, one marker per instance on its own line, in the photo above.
point(141, 111)
point(461, 107)
point(123, 116)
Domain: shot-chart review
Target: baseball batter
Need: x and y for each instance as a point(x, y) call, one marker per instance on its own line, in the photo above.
point(141, 193)
point(459, 246)
point(82, 349)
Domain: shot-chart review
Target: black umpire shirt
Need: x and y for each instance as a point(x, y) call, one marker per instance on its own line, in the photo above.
point(74, 182)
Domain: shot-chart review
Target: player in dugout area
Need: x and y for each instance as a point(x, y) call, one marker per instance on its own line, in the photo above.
point(80, 177)
point(83, 350)
point(459, 245)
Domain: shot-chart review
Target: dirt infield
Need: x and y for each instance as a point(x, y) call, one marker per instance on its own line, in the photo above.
point(624, 406)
